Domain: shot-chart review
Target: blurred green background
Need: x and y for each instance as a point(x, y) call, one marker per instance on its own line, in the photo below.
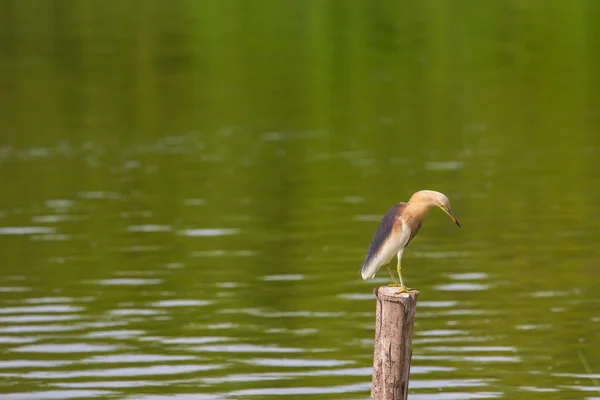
point(189, 188)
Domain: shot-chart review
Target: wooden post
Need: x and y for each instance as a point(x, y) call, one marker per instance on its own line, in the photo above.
point(395, 320)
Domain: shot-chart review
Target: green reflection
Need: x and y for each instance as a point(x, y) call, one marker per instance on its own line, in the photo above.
point(237, 155)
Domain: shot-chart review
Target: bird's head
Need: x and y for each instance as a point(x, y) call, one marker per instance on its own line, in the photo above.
point(431, 198)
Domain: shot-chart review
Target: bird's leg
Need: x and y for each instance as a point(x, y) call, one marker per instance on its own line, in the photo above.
point(403, 289)
point(399, 268)
point(391, 276)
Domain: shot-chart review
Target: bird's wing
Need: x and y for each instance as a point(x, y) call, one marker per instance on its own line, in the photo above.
point(385, 231)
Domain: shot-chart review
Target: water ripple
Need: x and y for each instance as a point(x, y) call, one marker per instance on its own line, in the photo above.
point(33, 364)
point(38, 318)
point(208, 232)
point(128, 281)
point(26, 230)
point(246, 348)
point(149, 228)
point(181, 303)
point(295, 362)
point(57, 395)
point(289, 277)
point(65, 348)
point(307, 390)
point(462, 287)
point(136, 358)
point(36, 309)
point(153, 370)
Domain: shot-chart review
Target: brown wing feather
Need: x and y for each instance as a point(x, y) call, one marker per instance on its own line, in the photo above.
point(386, 226)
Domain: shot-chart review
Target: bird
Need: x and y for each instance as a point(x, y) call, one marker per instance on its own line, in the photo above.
point(396, 230)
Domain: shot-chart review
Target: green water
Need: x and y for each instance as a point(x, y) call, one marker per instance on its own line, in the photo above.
point(189, 188)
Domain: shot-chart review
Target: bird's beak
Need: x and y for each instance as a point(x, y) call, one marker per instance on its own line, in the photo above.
point(448, 211)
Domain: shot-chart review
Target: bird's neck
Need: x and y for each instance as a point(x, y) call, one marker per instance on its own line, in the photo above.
point(418, 210)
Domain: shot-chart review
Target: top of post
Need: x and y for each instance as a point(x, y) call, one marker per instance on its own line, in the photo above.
point(388, 293)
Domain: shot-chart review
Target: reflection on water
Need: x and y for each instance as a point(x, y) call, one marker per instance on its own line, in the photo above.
point(136, 349)
point(189, 189)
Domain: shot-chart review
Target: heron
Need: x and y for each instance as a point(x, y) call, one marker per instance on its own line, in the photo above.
point(396, 230)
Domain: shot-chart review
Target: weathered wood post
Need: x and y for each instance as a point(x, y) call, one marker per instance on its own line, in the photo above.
point(394, 324)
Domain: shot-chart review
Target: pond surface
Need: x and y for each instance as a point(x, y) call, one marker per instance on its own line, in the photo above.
point(189, 190)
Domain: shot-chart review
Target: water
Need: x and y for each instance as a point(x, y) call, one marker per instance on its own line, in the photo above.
point(189, 189)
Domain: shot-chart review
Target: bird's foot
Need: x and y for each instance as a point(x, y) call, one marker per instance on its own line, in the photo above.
point(393, 285)
point(404, 289)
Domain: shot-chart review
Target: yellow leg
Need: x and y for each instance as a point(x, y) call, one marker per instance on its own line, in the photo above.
point(391, 276)
point(399, 268)
point(403, 289)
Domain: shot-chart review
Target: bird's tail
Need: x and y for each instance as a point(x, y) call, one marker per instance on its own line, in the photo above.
point(369, 269)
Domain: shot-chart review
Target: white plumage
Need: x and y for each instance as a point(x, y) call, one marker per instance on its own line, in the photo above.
point(393, 246)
